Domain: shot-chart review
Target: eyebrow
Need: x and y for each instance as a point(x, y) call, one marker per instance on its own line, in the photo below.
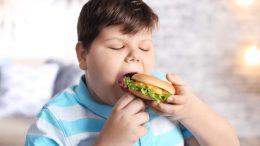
point(146, 40)
point(115, 38)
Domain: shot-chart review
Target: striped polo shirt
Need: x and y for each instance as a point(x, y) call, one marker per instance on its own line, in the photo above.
point(73, 118)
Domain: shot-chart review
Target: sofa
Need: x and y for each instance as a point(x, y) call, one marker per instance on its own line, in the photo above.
point(42, 80)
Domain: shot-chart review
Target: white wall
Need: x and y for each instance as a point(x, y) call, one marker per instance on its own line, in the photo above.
point(43, 29)
point(200, 40)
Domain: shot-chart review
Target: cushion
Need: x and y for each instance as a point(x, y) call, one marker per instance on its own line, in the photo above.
point(27, 88)
point(69, 74)
point(3, 62)
point(1, 89)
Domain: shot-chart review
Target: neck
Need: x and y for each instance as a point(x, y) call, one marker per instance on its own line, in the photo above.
point(93, 94)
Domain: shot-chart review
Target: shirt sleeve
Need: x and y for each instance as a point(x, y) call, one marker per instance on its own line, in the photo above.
point(185, 132)
point(45, 131)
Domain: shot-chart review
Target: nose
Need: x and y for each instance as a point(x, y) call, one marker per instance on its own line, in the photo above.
point(133, 57)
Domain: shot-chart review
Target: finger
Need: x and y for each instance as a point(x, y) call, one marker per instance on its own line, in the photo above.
point(158, 112)
point(142, 131)
point(177, 100)
point(175, 79)
point(177, 82)
point(168, 109)
point(124, 100)
point(152, 105)
point(171, 117)
point(135, 106)
point(141, 118)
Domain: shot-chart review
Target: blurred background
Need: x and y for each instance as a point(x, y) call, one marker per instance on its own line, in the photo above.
point(213, 44)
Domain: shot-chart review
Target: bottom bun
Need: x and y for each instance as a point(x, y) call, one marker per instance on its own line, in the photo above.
point(140, 94)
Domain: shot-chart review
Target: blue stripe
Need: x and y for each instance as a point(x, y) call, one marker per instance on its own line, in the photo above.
point(82, 125)
point(170, 138)
point(152, 115)
point(186, 133)
point(32, 140)
point(46, 115)
point(159, 75)
point(72, 127)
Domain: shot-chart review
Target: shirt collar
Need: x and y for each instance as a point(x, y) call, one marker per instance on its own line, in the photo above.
point(84, 97)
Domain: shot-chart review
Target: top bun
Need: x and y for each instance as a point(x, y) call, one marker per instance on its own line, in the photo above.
point(154, 81)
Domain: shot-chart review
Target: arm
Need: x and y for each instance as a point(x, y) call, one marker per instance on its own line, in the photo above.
point(45, 131)
point(207, 127)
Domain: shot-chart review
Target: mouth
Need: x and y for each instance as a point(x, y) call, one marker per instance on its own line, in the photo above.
point(121, 83)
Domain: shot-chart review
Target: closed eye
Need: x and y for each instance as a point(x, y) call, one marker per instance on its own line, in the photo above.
point(145, 49)
point(116, 48)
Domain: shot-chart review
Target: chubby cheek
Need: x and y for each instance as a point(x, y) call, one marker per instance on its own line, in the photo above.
point(103, 74)
point(149, 64)
point(149, 68)
point(103, 65)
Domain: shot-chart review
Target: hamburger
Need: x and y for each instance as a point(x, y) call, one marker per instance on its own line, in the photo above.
point(147, 87)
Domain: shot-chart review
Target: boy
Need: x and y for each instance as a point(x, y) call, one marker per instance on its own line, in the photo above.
point(115, 38)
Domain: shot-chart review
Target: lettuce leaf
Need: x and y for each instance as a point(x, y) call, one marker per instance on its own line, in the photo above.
point(146, 90)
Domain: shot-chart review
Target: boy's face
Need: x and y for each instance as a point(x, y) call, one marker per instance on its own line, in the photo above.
point(112, 55)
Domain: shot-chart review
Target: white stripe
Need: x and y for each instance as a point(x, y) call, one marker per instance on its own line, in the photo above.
point(180, 144)
point(84, 138)
point(69, 90)
point(162, 125)
point(71, 113)
point(43, 128)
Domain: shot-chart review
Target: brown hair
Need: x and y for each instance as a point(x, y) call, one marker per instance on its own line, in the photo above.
point(132, 15)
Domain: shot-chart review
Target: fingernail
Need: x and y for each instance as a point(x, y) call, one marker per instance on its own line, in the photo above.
point(170, 74)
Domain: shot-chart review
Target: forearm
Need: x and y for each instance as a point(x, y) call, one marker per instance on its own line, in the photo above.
point(208, 127)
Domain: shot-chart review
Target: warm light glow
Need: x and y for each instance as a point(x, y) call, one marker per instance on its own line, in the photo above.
point(245, 3)
point(252, 56)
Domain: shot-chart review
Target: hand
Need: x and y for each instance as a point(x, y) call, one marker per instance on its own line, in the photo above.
point(176, 106)
point(125, 125)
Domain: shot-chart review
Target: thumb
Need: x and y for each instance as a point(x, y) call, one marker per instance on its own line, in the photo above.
point(175, 79)
point(177, 82)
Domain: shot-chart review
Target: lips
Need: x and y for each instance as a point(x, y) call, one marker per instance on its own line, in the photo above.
point(121, 80)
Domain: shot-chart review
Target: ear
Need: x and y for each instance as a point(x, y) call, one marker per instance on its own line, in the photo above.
point(81, 55)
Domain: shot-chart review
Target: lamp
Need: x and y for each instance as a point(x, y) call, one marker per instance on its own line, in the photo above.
point(252, 56)
point(245, 3)
point(248, 60)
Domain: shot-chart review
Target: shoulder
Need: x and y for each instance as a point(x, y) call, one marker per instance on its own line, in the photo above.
point(66, 107)
point(63, 119)
point(65, 98)
point(52, 111)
